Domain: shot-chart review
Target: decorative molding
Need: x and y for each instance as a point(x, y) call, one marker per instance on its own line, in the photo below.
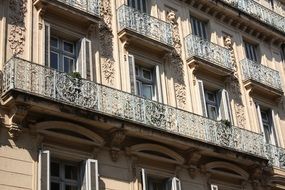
point(106, 42)
point(15, 131)
point(17, 13)
point(177, 63)
point(234, 86)
point(117, 137)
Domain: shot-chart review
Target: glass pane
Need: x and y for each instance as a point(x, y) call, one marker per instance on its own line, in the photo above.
point(264, 116)
point(70, 172)
point(54, 42)
point(211, 97)
point(55, 186)
point(70, 187)
point(267, 133)
point(68, 64)
point(54, 60)
point(54, 169)
point(146, 74)
point(68, 47)
point(138, 88)
point(212, 112)
point(137, 71)
point(147, 91)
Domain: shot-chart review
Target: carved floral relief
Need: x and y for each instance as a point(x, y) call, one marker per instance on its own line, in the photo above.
point(17, 13)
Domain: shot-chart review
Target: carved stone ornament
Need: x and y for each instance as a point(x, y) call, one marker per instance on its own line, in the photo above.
point(16, 38)
point(177, 63)
point(114, 153)
point(15, 131)
point(117, 137)
point(234, 86)
point(106, 42)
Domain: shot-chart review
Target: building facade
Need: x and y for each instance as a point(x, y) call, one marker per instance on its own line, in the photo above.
point(142, 94)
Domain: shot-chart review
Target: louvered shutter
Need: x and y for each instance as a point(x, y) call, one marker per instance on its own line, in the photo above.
point(84, 59)
point(132, 73)
point(144, 179)
point(158, 84)
point(91, 172)
point(224, 105)
point(44, 170)
point(47, 45)
point(202, 98)
point(274, 139)
point(176, 185)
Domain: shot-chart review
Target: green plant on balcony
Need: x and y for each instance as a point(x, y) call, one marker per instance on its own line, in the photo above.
point(226, 122)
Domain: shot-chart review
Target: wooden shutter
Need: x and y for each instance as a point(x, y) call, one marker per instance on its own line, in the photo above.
point(259, 117)
point(44, 170)
point(144, 179)
point(158, 84)
point(84, 59)
point(176, 185)
point(274, 139)
point(47, 44)
point(91, 175)
point(224, 105)
point(132, 73)
point(202, 98)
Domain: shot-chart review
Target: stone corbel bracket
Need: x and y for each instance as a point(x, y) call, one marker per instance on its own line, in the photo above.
point(117, 138)
point(17, 119)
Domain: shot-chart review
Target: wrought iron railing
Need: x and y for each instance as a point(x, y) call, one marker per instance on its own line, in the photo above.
point(275, 155)
point(88, 6)
point(260, 12)
point(144, 24)
point(260, 73)
point(196, 46)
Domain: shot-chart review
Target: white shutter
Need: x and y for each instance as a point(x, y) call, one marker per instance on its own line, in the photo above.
point(132, 72)
point(176, 185)
point(44, 170)
point(224, 105)
point(84, 59)
point(202, 98)
point(259, 117)
point(91, 181)
point(274, 139)
point(47, 44)
point(158, 84)
point(144, 179)
point(214, 187)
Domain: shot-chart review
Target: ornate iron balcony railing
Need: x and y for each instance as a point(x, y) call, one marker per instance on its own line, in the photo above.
point(196, 46)
point(21, 75)
point(89, 6)
point(260, 12)
point(275, 155)
point(146, 25)
point(260, 73)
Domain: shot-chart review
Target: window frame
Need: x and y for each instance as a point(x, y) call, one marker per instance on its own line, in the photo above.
point(140, 5)
point(199, 27)
point(251, 51)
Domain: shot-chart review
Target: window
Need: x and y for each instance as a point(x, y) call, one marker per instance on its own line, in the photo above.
point(250, 51)
point(66, 175)
point(67, 53)
point(152, 182)
point(198, 27)
point(143, 80)
point(214, 103)
point(267, 124)
point(138, 4)
point(62, 54)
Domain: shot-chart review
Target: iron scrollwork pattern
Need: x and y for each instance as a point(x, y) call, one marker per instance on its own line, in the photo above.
point(88, 6)
point(260, 73)
point(60, 87)
point(196, 46)
point(146, 25)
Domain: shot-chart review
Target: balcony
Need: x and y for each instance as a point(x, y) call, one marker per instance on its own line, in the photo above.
point(143, 30)
point(39, 81)
point(208, 56)
point(275, 155)
point(260, 12)
point(261, 79)
point(89, 9)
